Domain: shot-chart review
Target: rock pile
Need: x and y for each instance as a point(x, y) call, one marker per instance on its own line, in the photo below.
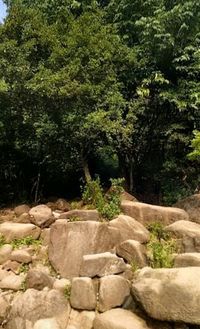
point(63, 268)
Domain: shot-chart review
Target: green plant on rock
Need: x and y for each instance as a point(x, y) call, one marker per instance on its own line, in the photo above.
point(2, 240)
point(161, 247)
point(24, 268)
point(27, 241)
point(107, 204)
point(23, 285)
point(67, 291)
point(74, 219)
point(134, 266)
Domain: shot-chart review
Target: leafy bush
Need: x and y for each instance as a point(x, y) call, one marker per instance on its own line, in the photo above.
point(27, 241)
point(160, 247)
point(108, 204)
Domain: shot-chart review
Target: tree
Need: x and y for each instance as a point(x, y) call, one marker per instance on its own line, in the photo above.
point(63, 91)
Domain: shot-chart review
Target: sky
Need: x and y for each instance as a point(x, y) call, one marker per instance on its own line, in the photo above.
point(2, 10)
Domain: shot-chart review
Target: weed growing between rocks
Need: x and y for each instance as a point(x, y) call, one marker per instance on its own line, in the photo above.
point(67, 291)
point(161, 247)
point(2, 240)
point(27, 241)
point(74, 219)
point(134, 266)
point(24, 268)
point(108, 204)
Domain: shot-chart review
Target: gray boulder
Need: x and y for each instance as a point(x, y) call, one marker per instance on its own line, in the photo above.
point(113, 292)
point(119, 319)
point(69, 242)
point(101, 265)
point(169, 294)
point(129, 228)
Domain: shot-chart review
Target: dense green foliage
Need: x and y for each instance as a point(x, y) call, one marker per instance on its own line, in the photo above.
point(108, 204)
point(161, 247)
point(108, 87)
point(195, 144)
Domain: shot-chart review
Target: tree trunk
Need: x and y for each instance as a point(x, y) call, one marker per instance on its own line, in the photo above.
point(86, 171)
point(131, 177)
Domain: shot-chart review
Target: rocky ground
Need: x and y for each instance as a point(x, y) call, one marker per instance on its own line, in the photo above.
point(64, 268)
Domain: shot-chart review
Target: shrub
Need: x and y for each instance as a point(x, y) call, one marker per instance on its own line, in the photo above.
point(160, 247)
point(107, 204)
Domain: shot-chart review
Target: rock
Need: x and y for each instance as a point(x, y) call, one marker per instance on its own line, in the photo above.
point(188, 232)
point(11, 231)
point(62, 204)
point(45, 236)
point(125, 196)
point(21, 209)
point(119, 319)
point(50, 323)
point(7, 215)
point(191, 205)
point(133, 252)
point(12, 266)
point(81, 320)
point(41, 216)
point(69, 242)
point(130, 229)
point(147, 213)
point(81, 215)
point(101, 265)
point(23, 218)
point(169, 294)
point(21, 256)
point(12, 282)
point(128, 274)
point(5, 252)
point(187, 259)
point(83, 294)
point(4, 309)
point(34, 305)
point(62, 285)
point(38, 280)
point(112, 292)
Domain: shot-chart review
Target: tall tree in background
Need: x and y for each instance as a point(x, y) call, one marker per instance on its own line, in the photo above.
point(79, 77)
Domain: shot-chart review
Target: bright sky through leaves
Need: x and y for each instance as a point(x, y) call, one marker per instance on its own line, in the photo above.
point(2, 10)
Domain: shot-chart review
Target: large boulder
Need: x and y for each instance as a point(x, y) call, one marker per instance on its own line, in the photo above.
point(13, 282)
point(130, 229)
point(69, 242)
point(188, 233)
point(83, 294)
point(187, 259)
point(4, 308)
point(11, 231)
point(191, 204)
point(147, 213)
point(113, 291)
point(21, 209)
point(38, 280)
point(119, 319)
point(125, 196)
point(133, 252)
point(21, 256)
point(169, 294)
point(49, 323)
point(5, 252)
point(33, 305)
point(101, 265)
point(81, 320)
point(41, 216)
